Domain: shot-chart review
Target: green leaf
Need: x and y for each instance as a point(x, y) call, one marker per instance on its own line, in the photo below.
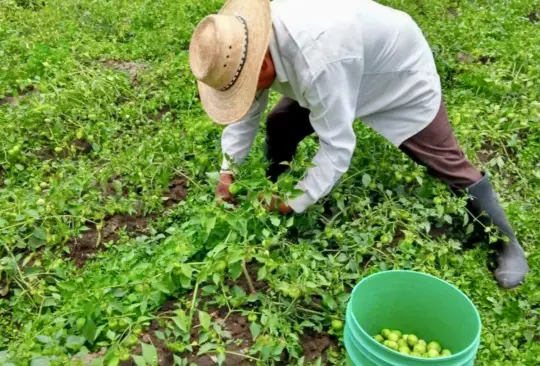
point(68, 285)
point(186, 270)
point(275, 221)
point(235, 270)
point(204, 319)
point(178, 360)
point(220, 358)
point(209, 224)
point(40, 234)
point(261, 273)
point(205, 348)
point(528, 334)
point(180, 320)
point(149, 353)
point(255, 330)
point(214, 176)
point(97, 362)
point(114, 361)
point(40, 361)
point(290, 221)
point(74, 341)
point(448, 219)
point(89, 330)
point(366, 180)
point(139, 360)
point(44, 339)
point(159, 335)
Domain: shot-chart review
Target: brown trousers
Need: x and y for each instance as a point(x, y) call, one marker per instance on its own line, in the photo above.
point(435, 147)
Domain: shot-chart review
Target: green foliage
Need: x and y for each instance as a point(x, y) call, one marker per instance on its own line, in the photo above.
point(99, 113)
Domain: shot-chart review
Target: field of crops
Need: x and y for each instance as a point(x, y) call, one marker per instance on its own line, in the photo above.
point(113, 251)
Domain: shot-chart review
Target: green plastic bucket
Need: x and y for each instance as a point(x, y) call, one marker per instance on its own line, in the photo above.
point(414, 303)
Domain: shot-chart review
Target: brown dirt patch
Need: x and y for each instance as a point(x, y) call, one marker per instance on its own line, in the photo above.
point(242, 281)
point(92, 240)
point(317, 344)
point(113, 187)
point(236, 324)
point(453, 11)
point(467, 58)
point(486, 152)
point(48, 152)
point(177, 192)
point(534, 17)
point(15, 99)
point(436, 232)
point(90, 357)
point(83, 146)
point(132, 69)
point(158, 116)
point(314, 344)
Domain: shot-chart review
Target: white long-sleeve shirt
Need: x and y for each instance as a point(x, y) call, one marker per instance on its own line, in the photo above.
point(343, 60)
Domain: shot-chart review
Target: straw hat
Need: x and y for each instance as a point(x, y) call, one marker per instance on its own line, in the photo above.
point(226, 54)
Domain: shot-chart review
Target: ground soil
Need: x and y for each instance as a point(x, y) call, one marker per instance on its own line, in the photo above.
point(313, 344)
point(486, 153)
point(109, 189)
point(83, 146)
point(92, 240)
point(158, 116)
point(12, 99)
point(132, 69)
point(177, 192)
point(467, 58)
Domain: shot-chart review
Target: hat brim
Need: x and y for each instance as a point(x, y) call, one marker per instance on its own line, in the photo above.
point(229, 106)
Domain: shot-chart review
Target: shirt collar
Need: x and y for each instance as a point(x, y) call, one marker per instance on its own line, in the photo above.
point(281, 76)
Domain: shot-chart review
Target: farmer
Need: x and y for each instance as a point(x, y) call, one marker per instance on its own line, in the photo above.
point(333, 61)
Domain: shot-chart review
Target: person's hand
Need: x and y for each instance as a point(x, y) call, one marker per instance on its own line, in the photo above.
point(222, 189)
point(282, 207)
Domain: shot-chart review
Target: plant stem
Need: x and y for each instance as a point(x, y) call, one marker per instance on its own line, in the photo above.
point(242, 355)
point(193, 301)
point(248, 278)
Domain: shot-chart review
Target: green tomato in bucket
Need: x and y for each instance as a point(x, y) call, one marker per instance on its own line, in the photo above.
point(402, 343)
point(412, 340)
point(433, 353)
point(391, 344)
point(404, 350)
point(420, 348)
point(435, 346)
point(379, 338)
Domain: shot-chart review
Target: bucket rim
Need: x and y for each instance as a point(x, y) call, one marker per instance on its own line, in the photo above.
point(474, 344)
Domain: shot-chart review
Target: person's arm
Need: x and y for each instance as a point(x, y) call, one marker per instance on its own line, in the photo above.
point(237, 138)
point(236, 141)
point(332, 98)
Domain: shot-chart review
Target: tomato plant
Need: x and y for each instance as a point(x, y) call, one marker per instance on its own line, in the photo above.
point(111, 242)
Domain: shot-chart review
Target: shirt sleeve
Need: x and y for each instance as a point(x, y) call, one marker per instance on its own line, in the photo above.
point(332, 98)
point(238, 137)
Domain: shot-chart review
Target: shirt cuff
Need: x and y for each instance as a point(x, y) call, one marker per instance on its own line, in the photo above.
point(301, 203)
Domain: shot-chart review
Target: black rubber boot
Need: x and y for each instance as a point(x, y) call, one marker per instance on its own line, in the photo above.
point(512, 265)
